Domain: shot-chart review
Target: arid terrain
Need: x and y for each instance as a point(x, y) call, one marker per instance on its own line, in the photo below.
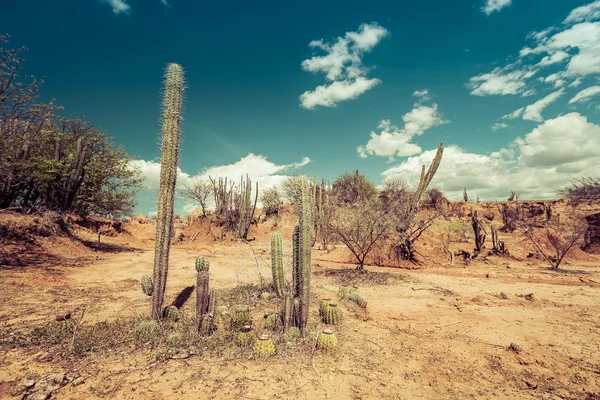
point(431, 330)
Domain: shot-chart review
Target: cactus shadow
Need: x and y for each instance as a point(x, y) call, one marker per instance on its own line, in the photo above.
point(183, 296)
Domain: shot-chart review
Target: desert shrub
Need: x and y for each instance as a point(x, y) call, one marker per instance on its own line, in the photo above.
point(352, 188)
point(271, 201)
point(433, 198)
point(586, 188)
point(291, 188)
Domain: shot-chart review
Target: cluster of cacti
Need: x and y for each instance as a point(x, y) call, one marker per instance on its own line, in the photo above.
point(323, 307)
point(332, 314)
point(240, 318)
point(277, 263)
point(244, 206)
point(147, 285)
point(222, 195)
point(172, 106)
point(292, 334)
point(358, 299)
point(246, 337)
point(273, 322)
point(327, 341)
point(264, 346)
point(480, 233)
point(203, 320)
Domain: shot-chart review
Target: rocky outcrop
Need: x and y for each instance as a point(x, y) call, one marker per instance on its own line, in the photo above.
point(592, 235)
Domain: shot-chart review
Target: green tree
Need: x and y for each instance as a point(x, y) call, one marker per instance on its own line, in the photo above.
point(352, 188)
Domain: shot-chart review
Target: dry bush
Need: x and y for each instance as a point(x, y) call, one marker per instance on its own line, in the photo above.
point(554, 241)
point(199, 190)
point(271, 201)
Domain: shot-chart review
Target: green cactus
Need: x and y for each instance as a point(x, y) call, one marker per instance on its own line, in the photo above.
point(202, 293)
point(287, 311)
point(264, 346)
point(296, 261)
point(306, 242)
point(323, 308)
point(170, 313)
point(344, 292)
point(358, 299)
point(222, 310)
point(213, 303)
point(333, 314)
point(292, 334)
point(273, 322)
point(246, 337)
point(147, 285)
point(277, 264)
point(207, 325)
point(172, 112)
point(327, 341)
point(240, 318)
point(265, 295)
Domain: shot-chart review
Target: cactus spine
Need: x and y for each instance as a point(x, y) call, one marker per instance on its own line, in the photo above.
point(277, 264)
point(172, 110)
point(304, 254)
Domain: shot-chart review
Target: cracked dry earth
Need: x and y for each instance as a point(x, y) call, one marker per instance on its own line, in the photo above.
point(437, 332)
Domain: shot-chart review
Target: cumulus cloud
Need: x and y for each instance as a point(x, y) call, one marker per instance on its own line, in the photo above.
point(257, 167)
point(494, 5)
point(499, 125)
point(394, 141)
point(585, 94)
point(588, 12)
point(536, 165)
point(118, 6)
point(342, 65)
point(501, 81)
point(422, 95)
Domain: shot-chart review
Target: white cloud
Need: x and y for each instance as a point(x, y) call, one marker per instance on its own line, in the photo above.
point(515, 114)
point(499, 125)
point(555, 58)
point(545, 160)
point(422, 95)
point(330, 95)
point(118, 6)
point(585, 94)
point(494, 5)
point(501, 81)
point(589, 12)
point(533, 112)
point(342, 65)
point(393, 141)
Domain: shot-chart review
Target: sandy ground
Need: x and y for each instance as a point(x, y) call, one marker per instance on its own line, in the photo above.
point(438, 332)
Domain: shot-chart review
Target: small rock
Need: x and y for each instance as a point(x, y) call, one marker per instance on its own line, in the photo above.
point(516, 347)
point(57, 378)
point(78, 381)
point(26, 383)
point(490, 275)
point(181, 355)
point(503, 296)
point(529, 297)
point(63, 316)
point(531, 385)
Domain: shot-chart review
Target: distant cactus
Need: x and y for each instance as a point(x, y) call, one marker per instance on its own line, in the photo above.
point(292, 334)
point(172, 106)
point(273, 322)
point(246, 337)
point(147, 285)
point(327, 341)
point(240, 318)
point(344, 292)
point(277, 264)
point(202, 291)
point(264, 346)
point(323, 307)
point(358, 299)
point(333, 314)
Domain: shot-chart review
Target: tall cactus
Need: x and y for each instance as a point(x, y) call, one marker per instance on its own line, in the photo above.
point(277, 264)
point(202, 293)
point(172, 110)
point(296, 261)
point(306, 241)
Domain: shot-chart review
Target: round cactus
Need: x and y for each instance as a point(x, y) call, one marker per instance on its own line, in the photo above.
point(170, 313)
point(265, 295)
point(240, 318)
point(344, 291)
point(292, 335)
point(333, 314)
point(273, 322)
point(324, 305)
point(264, 346)
point(516, 347)
point(327, 340)
point(358, 299)
point(202, 264)
point(147, 285)
point(246, 337)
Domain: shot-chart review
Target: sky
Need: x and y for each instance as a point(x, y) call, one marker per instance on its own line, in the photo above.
point(281, 88)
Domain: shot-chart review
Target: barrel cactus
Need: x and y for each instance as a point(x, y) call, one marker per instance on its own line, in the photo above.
point(327, 341)
point(240, 318)
point(344, 291)
point(273, 322)
point(264, 346)
point(292, 335)
point(170, 313)
point(358, 299)
point(246, 337)
point(323, 308)
point(277, 264)
point(147, 285)
point(333, 314)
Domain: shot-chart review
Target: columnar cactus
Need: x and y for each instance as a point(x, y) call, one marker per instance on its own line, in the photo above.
point(213, 303)
point(296, 261)
point(277, 264)
point(147, 285)
point(288, 312)
point(264, 346)
point(202, 294)
point(327, 340)
point(306, 242)
point(333, 314)
point(172, 111)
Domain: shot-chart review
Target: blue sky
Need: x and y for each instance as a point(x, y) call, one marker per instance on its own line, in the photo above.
point(280, 88)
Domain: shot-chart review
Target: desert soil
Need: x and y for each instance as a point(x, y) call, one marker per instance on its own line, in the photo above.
point(433, 332)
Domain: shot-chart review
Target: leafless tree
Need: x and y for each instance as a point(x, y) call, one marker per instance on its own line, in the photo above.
point(199, 190)
point(585, 188)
